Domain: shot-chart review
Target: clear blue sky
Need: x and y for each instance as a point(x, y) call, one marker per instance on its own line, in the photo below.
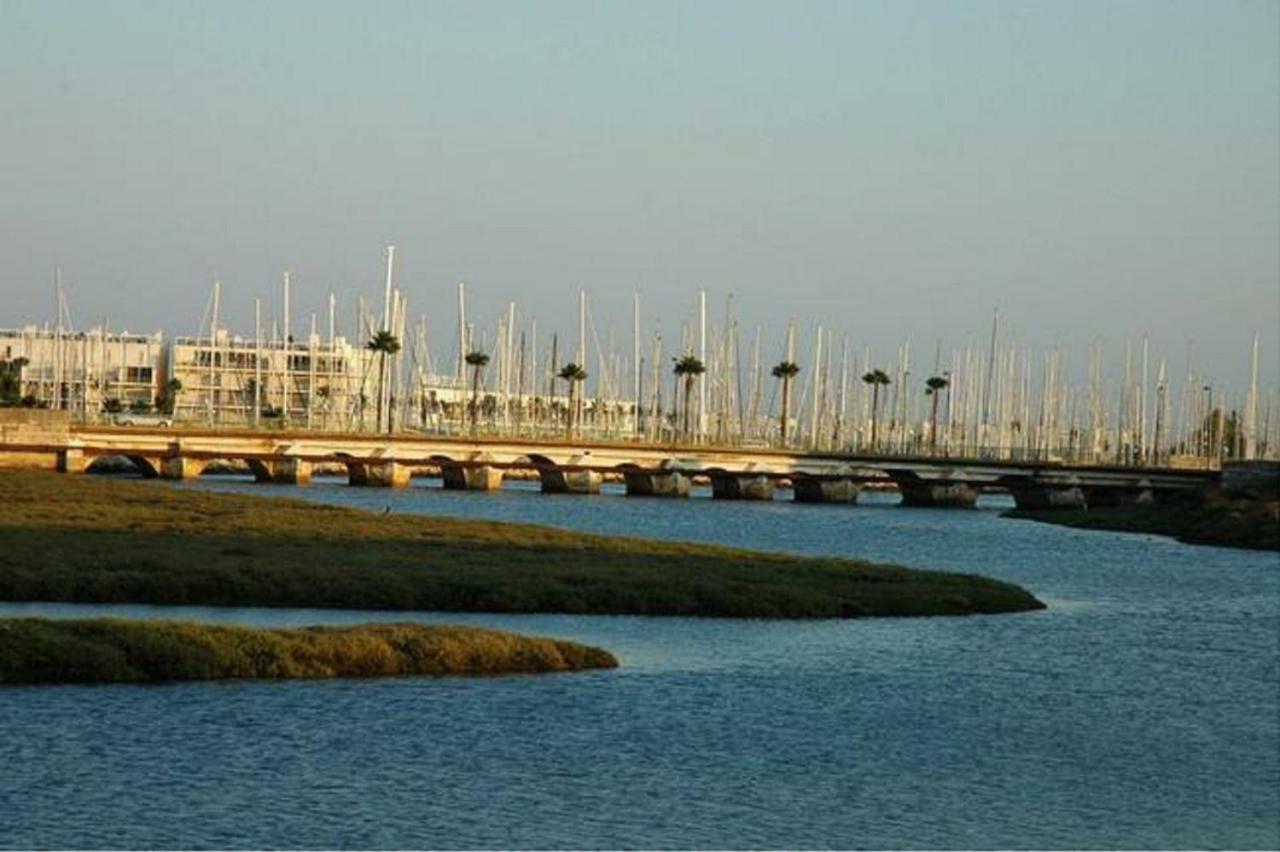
point(896, 170)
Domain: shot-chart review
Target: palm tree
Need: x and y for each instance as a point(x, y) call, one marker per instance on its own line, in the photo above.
point(167, 402)
point(477, 360)
point(574, 374)
point(875, 378)
point(786, 370)
point(384, 343)
point(689, 368)
point(934, 386)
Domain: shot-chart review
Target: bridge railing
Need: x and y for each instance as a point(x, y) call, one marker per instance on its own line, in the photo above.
point(621, 431)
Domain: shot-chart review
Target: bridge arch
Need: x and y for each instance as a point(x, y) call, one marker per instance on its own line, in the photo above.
point(537, 460)
point(115, 463)
point(147, 466)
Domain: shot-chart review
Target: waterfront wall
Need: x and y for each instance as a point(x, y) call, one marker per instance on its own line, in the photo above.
point(32, 427)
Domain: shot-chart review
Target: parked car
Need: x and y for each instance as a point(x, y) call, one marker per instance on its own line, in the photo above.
point(130, 418)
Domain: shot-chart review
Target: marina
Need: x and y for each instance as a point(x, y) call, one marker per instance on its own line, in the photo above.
point(713, 386)
point(586, 426)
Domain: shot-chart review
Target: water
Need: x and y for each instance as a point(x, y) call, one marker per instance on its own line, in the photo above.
point(1140, 710)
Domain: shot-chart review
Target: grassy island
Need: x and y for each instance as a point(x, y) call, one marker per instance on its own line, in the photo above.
point(35, 650)
point(90, 539)
point(1205, 518)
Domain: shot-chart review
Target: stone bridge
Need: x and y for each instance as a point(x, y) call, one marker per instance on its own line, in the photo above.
point(579, 467)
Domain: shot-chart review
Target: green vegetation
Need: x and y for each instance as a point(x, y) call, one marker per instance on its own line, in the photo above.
point(384, 343)
point(877, 379)
point(1210, 518)
point(575, 375)
point(477, 361)
point(934, 386)
point(36, 650)
point(11, 395)
point(786, 371)
point(689, 367)
point(88, 539)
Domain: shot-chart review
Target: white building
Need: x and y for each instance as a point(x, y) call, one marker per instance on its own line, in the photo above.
point(231, 381)
point(89, 372)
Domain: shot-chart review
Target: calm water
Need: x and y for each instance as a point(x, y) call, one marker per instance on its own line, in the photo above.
point(1141, 710)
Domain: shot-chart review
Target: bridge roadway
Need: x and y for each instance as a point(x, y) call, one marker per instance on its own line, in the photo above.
point(578, 466)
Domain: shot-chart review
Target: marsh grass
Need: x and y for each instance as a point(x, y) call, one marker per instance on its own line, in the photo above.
point(1196, 518)
point(109, 650)
point(85, 539)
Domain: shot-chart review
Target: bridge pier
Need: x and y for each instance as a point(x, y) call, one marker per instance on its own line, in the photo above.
point(936, 494)
point(459, 477)
point(289, 471)
point(811, 489)
point(741, 486)
point(660, 483)
point(182, 467)
point(357, 474)
point(557, 480)
point(73, 460)
point(387, 474)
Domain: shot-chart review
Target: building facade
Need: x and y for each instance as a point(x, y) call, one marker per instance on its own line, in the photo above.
point(88, 372)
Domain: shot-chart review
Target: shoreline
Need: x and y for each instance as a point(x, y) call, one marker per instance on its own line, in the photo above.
point(110, 650)
point(90, 540)
point(1212, 519)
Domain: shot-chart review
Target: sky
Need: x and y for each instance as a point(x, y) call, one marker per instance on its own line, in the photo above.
point(1097, 171)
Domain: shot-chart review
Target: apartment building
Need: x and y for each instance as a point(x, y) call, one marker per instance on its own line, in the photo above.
point(89, 372)
point(231, 381)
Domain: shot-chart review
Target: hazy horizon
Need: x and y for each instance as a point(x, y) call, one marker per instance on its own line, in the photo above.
point(1096, 172)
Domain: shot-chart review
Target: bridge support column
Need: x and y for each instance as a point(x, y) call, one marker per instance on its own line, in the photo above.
point(808, 489)
point(741, 486)
point(936, 493)
point(181, 467)
point(1048, 496)
point(557, 480)
point(662, 484)
point(290, 471)
point(73, 460)
point(388, 474)
point(463, 478)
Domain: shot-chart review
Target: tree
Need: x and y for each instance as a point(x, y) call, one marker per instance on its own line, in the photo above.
point(786, 371)
point(875, 378)
point(574, 374)
point(933, 386)
point(477, 361)
point(167, 399)
point(688, 367)
point(384, 343)
point(11, 381)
